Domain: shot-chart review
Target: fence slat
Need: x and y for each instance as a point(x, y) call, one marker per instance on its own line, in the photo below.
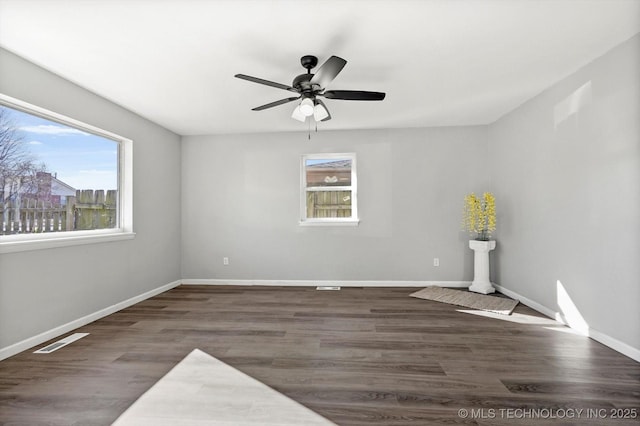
point(88, 210)
point(321, 204)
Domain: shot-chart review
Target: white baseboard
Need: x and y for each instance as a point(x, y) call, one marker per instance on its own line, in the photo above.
point(605, 339)
point(72, 325)
point(526, 301)
point(615, 344)
point(330, 283)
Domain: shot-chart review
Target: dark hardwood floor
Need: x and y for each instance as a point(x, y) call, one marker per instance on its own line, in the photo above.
point(357, 356)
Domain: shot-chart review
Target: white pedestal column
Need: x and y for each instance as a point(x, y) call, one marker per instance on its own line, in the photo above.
point(481, 282)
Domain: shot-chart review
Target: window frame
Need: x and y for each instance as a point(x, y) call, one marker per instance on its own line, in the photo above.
point(329, 221)
point(26, 242)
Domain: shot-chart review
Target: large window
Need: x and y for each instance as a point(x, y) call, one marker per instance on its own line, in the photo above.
point(328, 189)
point(59, 178)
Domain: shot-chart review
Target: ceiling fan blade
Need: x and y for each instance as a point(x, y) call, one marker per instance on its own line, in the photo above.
point(328, 71)
point(265, 82)
point(276, 103)
point(354, 95)
point(328, 117)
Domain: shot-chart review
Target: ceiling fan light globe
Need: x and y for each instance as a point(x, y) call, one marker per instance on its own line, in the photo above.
point(320, 112)
point(306, 107)
point(298, 115)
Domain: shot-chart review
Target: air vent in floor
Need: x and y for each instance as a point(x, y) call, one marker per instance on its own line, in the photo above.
point(60, 343)
point(327, 287)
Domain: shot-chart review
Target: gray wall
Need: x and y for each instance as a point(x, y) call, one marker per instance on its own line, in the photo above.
point(241, 199)
point(568, 192)
point(43, 289)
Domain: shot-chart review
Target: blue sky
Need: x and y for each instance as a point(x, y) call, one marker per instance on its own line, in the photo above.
point(80, 159)
point(311, 162)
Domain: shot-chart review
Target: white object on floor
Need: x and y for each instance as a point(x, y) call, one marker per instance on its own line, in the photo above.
point(481, 282)
point(202, 390)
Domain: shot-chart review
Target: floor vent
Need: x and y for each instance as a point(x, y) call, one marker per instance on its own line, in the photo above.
point(327, 287)
point(60, 343)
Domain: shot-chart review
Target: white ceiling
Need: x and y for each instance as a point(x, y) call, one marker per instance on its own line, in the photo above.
point(441, 62)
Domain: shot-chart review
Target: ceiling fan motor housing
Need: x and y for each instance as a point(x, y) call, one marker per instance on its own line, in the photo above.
point(302, 83)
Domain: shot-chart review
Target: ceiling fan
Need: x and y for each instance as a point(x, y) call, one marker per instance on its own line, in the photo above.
point(310, 87)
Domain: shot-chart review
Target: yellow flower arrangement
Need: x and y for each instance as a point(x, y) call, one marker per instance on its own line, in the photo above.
point(480, 215)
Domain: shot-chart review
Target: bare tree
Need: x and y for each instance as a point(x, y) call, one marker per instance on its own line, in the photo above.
point(18, 167)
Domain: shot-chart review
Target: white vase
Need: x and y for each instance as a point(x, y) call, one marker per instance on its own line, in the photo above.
point(481, 282)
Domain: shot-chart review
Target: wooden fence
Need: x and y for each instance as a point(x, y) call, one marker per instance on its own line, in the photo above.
point(89, 209)
point(328, 204)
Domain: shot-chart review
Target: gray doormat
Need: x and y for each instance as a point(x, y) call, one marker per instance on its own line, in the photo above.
point(468, 299)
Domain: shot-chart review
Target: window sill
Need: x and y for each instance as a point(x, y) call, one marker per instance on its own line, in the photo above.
point(327, 222)
point(18, 243)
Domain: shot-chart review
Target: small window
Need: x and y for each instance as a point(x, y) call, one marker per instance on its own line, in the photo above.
point(329, 189)
point(58, 177)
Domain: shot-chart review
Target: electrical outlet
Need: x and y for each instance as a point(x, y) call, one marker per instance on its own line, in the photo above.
point(436, 261)
point(225, 261)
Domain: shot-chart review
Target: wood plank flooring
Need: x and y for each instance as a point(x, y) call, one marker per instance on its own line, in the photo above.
point(359, 356)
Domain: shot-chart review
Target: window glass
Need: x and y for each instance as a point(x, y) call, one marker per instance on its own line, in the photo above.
point(326, 172)
point(328, 188)
point(323, 204)
point(55, 177)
